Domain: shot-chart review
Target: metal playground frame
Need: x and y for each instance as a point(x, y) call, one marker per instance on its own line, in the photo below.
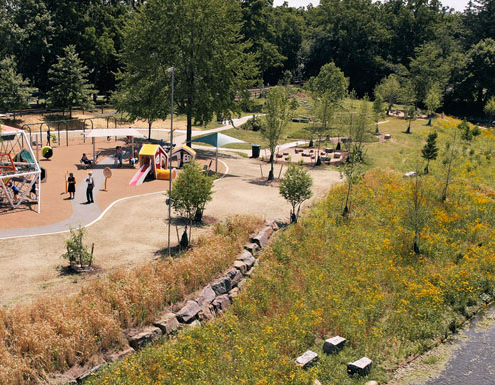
point(19, 169)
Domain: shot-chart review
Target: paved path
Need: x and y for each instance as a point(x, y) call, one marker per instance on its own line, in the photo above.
point(84, 214)
point(474, 362)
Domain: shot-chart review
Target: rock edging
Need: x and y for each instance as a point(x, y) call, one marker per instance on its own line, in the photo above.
point(212, 300)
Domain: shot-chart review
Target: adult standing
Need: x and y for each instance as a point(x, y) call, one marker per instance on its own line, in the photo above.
point(120, 155)
point(72, 185)
point(89, 189)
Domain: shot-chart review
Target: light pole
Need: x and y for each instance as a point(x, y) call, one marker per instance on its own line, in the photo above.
point(171, 69)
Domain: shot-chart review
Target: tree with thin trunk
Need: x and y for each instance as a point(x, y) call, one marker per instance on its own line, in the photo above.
point(327, 90)
point(70, 85)
point(389, 90)
point(430, 150)
point(190, 192)
point(377, 111)
point(416, 214)
point(295, 187)
point(352, 173)
point(451, 155)
point(278, 111)
point(433, 101)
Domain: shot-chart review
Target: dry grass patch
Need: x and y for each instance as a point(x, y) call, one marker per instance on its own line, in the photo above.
point(55, 333)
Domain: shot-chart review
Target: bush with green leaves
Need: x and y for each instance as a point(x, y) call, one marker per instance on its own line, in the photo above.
point(77, 253)
point(295, 187)
point(191, 191)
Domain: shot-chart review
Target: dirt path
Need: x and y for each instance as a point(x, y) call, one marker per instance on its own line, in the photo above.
point(134, 231)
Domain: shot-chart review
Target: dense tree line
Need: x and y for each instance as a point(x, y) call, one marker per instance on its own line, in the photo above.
point(428, 49)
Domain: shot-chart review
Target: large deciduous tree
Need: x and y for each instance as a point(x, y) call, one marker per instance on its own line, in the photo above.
point(202, 41)
point(14, 90)
point(70, 86)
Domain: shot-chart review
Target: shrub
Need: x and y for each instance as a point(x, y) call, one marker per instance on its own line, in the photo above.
point(77, 252)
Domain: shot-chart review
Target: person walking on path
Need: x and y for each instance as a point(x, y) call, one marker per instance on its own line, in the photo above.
point(72, 185)
point(89, 189)
point(120, 155)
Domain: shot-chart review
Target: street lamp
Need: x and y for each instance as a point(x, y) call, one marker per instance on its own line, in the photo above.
point(171, 69)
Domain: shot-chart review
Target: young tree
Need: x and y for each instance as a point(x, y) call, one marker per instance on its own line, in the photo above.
point(278, 114)
point(295, 187)
point(451, 155)
point(389, 90)
point(377, 111)
point(327, 90)
point(70, 86)
point(415, 217)
point(14, 90)
point(430, 150)
point(202, 41)
point(353, 173)
point(433, 100)
point(489, 110)
point(190, 192)
point(77, 251)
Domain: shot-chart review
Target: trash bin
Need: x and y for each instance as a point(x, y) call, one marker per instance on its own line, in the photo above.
point(255, 151)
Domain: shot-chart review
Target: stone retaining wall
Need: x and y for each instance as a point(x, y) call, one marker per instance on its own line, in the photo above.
point(212, 300)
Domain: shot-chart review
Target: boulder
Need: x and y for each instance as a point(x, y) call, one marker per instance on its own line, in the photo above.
point(250, 272)
point(307, 360)
point(247, 257)
point(334, 344)
point(206, 296)
point(139, 338)
point(119, 356)
point(188, 312)
point(235, 276)
point(262, 238)
point(207, 313)
point(167, 323)
point(241, 285)
point(273, 225)
point(361, 367)
point(222, 302)
point(193, 325)
point(241, 266)
point(233, 293)
point(251, 247)
point(221, 285)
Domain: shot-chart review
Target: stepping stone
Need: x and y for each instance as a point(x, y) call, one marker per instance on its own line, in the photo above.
point(307, 360)
point(361, 367)
point(334, 344)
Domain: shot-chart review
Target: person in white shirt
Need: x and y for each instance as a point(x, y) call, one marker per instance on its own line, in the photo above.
point(89, 189)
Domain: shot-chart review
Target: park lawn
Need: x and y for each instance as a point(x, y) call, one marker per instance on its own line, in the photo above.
point(356, 277)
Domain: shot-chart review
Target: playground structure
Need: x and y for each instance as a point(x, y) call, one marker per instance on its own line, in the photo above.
point(183, 154)
point(19, 170)
point(152, 159)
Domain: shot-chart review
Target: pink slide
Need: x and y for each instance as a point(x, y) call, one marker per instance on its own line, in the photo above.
point(138, 178)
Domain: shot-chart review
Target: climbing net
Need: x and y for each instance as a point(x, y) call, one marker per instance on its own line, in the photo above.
point(20, 173)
